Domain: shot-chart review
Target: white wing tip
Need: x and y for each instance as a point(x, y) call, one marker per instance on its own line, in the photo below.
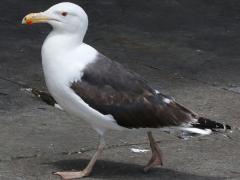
point(197, 130)
point(58, 106)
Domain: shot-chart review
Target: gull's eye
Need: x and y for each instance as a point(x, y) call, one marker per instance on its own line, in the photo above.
point(64, 13)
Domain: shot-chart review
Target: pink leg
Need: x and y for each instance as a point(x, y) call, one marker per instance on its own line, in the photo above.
point(88, 169)
point(156, 154)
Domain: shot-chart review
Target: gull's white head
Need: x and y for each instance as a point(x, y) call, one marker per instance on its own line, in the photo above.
point(64, 17)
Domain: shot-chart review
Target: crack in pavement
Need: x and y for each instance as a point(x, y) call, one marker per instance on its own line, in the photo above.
point(83, 150)
point(76, 152)
point(3, 94)
point(21, 84)
point(178, 76)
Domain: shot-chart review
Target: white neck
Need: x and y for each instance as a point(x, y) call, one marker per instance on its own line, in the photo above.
point(62, 52)
point(62, 41)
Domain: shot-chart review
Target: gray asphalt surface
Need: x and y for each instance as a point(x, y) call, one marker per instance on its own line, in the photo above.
point(187, 49)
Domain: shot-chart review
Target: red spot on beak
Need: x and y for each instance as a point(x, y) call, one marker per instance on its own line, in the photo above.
point(29, 22)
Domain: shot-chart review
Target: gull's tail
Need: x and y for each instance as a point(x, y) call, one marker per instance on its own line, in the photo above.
point(203, 126)
point(44, 96)
point(200, 125)
point(204, 123)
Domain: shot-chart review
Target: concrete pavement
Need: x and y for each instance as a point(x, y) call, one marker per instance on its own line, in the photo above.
point(187, 49)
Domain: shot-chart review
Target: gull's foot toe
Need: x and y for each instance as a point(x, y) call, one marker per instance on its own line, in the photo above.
point(71, 174)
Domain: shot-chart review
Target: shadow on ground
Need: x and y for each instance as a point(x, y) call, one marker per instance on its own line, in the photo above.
point(111, 169)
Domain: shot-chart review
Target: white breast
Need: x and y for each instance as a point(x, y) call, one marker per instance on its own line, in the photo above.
point(64, 64)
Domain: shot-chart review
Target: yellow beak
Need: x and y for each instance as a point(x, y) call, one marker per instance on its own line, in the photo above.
point(35, 18)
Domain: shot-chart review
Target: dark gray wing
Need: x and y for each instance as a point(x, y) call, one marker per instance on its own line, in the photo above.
point(44, 96)
point(112, 89)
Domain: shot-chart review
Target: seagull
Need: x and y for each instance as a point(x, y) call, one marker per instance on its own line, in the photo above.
point(92, 87)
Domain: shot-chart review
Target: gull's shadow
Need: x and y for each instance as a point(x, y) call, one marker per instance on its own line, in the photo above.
point(109, 169)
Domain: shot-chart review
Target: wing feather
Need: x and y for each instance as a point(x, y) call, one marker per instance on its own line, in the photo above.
point(112, 89)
